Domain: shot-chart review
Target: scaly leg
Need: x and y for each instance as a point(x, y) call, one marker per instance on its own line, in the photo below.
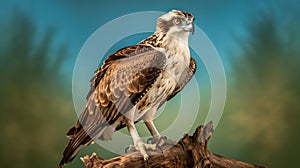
point(139, 145)
point(156, 137)
point(154, 132)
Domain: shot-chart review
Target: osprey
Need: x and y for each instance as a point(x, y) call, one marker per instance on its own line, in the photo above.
point(133, 83)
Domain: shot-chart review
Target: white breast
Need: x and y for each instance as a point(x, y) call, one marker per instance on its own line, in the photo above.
point(166, 82)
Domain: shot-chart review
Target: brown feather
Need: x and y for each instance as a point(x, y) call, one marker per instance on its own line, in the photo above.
point(124, 80)
point(116, 86)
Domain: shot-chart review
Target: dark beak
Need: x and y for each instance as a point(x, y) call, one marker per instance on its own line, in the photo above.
point(190, 27)
point(193, 28)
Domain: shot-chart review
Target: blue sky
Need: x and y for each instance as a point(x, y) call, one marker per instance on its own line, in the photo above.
point(75, 21)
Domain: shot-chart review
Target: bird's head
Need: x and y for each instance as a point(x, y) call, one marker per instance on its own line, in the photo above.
point(176, 23)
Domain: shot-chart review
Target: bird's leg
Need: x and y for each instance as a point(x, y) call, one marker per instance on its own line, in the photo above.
point(154, 132)
point(156, 137)
point(139, 145)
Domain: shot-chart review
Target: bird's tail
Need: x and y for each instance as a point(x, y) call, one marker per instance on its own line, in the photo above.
point(81, 138)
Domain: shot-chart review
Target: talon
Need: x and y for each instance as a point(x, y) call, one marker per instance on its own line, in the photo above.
point(161, 142)
point(149, 139)
point(143, 147)
point(165, 141)
point(160, 148)
point(146, 157)
point(131, 148)
point(126, 149)
point(164, 138)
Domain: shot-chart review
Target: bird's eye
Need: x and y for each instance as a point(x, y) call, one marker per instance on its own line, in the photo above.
point(177, 21)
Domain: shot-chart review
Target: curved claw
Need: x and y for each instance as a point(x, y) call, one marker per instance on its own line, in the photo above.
point(140, 146)
point(162, 140)
point(126, 149)
point(165, 141)
point(159, 147)
point(149, 139)
point(130, 147)
point(146, 158)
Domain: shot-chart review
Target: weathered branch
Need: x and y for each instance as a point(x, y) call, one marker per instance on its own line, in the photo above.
point(190, 151)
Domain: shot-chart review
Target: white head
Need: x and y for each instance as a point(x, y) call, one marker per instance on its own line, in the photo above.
point(175, 23)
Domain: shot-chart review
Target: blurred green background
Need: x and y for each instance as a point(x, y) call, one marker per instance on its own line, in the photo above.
point(258, 42)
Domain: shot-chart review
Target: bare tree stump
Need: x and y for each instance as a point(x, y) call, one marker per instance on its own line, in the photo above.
point(190, 151)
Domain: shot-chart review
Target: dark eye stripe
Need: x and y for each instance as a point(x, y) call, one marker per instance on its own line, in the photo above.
point(164, 25)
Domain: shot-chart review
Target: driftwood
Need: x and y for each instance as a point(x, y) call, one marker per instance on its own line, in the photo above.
point(190, 151)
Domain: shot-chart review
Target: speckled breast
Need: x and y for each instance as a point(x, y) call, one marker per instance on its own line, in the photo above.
point(164, 85)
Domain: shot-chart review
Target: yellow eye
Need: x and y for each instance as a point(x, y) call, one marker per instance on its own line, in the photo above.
point(177, 21)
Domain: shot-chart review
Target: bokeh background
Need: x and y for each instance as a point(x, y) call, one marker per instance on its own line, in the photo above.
point(258, 42)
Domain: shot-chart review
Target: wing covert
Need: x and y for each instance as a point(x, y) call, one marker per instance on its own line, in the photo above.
point(119, 83)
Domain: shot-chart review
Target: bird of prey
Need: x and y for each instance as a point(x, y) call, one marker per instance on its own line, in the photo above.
point(133, 83)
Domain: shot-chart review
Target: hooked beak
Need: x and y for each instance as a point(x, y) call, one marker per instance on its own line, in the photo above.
point(193, 28)
point(190, 28)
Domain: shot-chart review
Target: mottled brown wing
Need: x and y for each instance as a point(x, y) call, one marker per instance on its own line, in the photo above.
point(118, 84)
point(184, 78)
point(122, 53)
point(122, 80)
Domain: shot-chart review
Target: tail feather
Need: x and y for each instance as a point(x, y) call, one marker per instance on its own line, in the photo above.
point(73, 147)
